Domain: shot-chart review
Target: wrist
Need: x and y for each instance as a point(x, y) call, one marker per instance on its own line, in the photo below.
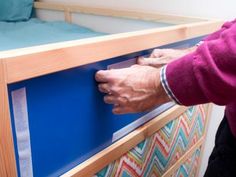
point(166, 87)
point(160, 91)
point(191, 49)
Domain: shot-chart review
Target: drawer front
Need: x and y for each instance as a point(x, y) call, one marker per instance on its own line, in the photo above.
point(155, 155)
point(60, 119)
point(190, 167)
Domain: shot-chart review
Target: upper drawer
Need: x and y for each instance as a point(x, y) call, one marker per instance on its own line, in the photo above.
point(60, 120)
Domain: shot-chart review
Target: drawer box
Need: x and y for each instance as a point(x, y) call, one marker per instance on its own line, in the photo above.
point(162, 151)
point(66, 120)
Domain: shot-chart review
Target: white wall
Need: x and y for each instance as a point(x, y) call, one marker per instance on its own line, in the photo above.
point(216, 117)
point(110, 25)
point(199, 8)
point(224, 9)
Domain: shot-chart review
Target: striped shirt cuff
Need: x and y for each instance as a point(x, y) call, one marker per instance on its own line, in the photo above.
point(200, 43)
point(165, 85)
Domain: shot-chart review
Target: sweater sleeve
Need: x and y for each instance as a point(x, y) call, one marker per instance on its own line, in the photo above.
point(206, 75)
point(216, 34)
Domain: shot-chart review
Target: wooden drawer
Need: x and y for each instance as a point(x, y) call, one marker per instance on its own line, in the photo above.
point(157, 154)
point(190, 167)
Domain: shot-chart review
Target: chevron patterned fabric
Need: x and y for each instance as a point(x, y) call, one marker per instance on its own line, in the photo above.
point(189, 168)
point(156, 154)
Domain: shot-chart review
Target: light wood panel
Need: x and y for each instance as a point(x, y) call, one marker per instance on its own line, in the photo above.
point(7, 156)
point(131, 14)
point(209, 111)
point(68, 16)
point(116, 150)
point(36, 61)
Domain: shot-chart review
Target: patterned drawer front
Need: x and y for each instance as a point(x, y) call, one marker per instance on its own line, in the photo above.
point(190, 167)
point(155, 155)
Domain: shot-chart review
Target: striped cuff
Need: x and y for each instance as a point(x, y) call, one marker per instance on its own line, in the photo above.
point(198, 44)
point(165, 85)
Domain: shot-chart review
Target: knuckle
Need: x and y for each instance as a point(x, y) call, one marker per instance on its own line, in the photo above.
point(97, 76)
point(99, 73)
point(116, 90)
point(156, 50)
point(107, 99)
point(117, 111)
point(102, 86)
point(122, 100)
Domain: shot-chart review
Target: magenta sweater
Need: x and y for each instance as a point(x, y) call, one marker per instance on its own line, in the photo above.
point(208, 74)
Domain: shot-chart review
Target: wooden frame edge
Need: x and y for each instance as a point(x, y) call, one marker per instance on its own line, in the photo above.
point(116, 150)
point(68, 9)
point(7, 153)
point(209, 111)
point(32, 62)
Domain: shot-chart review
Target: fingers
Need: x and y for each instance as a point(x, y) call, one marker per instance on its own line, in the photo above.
point(118, 110)
point(155, 62)
point(135, 66)
point(102, 76)
point(121, 110)
point(146, 61)
point(104, 88)
point(120, 104)
point(110, 99)
point(109, 89)
point(157, 53)
point(116, 100)
point(141, 61)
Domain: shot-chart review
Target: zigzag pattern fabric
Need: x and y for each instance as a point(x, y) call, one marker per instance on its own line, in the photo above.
point(155, 155)
point(189, 168)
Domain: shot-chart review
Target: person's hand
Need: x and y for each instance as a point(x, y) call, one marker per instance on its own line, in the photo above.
point(134, 89)
point(161, 57)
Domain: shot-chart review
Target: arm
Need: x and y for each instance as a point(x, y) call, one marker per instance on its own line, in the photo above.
point(160, 57)
point(217, 34)
point(206, 75)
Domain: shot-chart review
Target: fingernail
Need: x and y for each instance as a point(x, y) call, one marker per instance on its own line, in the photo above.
point(141, 61)
point(115, 111)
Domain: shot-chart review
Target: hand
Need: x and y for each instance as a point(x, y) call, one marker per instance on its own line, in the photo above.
point(131, 90)
point(161, 57)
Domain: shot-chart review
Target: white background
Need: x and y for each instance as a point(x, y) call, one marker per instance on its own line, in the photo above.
point(225, 9)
